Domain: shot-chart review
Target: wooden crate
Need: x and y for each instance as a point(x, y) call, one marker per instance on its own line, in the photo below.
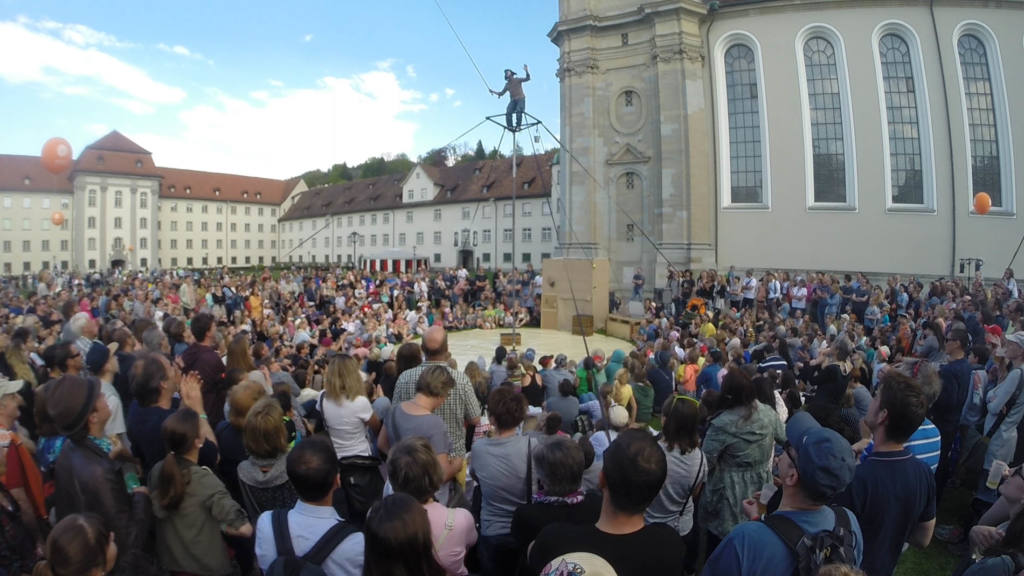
point(510, 339)
point(624, 327)
point(583, 324)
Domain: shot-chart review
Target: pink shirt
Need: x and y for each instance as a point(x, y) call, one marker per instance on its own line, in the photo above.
point(450, 548)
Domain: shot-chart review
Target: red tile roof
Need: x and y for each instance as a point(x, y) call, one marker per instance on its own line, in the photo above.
point(26, 174)
point(453, 184)
point(179, 183)
point(117, 142)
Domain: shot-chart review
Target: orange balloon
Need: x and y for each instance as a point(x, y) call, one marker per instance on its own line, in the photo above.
point(982, 203)
point(57, 218)
point(56, 155)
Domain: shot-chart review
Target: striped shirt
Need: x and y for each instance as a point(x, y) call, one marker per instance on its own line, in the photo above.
point(925, 444)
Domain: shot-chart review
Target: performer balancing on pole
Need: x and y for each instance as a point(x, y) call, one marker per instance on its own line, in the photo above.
point(517, 104)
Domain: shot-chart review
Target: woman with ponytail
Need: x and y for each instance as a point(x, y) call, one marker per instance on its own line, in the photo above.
point(79, 545)
point(192, 505)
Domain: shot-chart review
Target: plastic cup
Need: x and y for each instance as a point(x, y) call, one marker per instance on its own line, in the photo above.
point(767, 492)
point(995, 474)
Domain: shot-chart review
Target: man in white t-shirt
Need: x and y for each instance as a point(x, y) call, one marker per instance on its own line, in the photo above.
point(773, 294)
point(749, 290)
point(798, 295)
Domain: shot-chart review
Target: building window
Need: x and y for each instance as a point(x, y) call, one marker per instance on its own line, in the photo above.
point(8, 202)
point(486, 258)
point(92, 263)
point(437, 237)
point(204, 226)
point(827, 121)
point(908, 135)
point(65, 245)
point(485, 236)
point(527, 234)
point(248, 243)
point(545, 208)
point(220, 244)
point(362, 220)
point(90, 223)
point(487, 212)
point(508, 210)
point(408, 217)
point(26, 224)
point(44, 246)
point(527, 209)
point(92, 198)
point(118, 199)
point(347, 220)
point(401, 238)
point(247, 210)
point(220, 210)
point(744, 138)
point(506, 235)
point(188, 208)
point(234, 227)
point(188, 226)
point(174, 225)
point(174, 206)
point(234, 244)
point(373, 219)
point(234, 210)
point(247, 227)
point(437, 258)
point(143, 224)
point(386, 218)
point(7, 224)
point(545, 234)
point(219, 227)
point(26, 246)
point(118, 223)
point(174, 262)
point(143, 200)
point(419, 238)
point(385, 240)
point(188, 243)
point(259, 211)
point(506, 258)
point(525, 256)
point(465, 213)
point(90, 244)
point(7, 247)
point(373, 239)
point(983, 94)
point(144, 243)
point(204, 209)
point(174, 243)
point(437, 214)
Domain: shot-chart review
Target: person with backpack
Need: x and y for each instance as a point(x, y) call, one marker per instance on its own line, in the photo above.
point(804, 532)
point(310, 539)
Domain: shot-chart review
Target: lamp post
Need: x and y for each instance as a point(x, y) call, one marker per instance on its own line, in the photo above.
point(354, 239)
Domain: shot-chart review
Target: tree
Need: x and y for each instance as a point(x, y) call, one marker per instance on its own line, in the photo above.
point(436, 157)
point(480, 153)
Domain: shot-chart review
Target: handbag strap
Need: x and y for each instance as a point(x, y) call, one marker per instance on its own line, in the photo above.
point(696, 480)
point(529, 470)
point(449, 525)
point(1007, 407)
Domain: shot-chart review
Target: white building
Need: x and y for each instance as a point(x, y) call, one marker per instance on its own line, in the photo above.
point(120, 209)
point(799, 134)
point(459, 215)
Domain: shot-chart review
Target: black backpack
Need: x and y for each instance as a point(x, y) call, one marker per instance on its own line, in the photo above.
point(309, 564)
point(835, 546)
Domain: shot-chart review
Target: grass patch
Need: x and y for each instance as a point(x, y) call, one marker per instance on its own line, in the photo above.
point(936, 558)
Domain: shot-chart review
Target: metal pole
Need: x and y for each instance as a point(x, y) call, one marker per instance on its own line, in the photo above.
point(514, 230)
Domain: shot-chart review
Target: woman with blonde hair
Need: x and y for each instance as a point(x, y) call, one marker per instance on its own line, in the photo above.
point(230, 433)
point(345, 409)
point(239, 355)
point(622, 393)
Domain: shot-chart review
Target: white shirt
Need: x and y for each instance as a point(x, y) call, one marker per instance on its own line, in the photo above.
point(346, 424)
point(116, 424)
point(799, 294)
point(306, 524)
point(750, 288)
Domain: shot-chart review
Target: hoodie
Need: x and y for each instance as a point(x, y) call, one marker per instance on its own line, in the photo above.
point(614, 365)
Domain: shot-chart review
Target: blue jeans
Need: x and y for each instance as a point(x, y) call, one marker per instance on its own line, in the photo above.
point(516, 107)
point(499, 554)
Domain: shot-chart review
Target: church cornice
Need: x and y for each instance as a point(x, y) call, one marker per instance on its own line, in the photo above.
point(646, 11)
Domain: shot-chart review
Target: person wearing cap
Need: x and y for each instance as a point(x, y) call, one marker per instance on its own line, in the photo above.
point(1003, 445)
point(102, 363)
point(632, 474)
point(87, 479)
point(21, 476)
point(815, 465)
point(553, 376)
point(892, 492)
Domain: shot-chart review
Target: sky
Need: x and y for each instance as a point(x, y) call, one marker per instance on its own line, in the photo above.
point(269, 88)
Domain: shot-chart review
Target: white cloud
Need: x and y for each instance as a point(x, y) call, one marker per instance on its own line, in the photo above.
point(183, 51)
point(275, 83)
point(46, 58)
point(457, 103)
point(97, 129)
point(260, 134)
point(434, 97)
point(448, 92)
point(410, 71)
point(307, 38)
point(77, 34)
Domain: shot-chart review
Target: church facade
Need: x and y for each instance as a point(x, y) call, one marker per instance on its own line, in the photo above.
point(795, 134)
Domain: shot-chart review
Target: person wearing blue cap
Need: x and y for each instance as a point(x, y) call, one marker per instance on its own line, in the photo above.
point(816, 465)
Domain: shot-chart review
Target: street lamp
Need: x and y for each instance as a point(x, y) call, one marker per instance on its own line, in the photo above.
point(353, 238)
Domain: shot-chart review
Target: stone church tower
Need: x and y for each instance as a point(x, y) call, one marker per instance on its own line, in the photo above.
point(635, 114)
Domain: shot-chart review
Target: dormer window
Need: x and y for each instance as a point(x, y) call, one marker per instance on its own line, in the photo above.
point(138, 163)
point(216, 191)
point(526, 185)
point(27, 180)
point(171, 189)
point(245, 193)
point(486, 189)
point(448, 193)
point(259, 195)
point(476, 171)
point(99, 160)
point(188, 190)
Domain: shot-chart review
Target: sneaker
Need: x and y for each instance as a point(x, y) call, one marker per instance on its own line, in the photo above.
point(949, 533)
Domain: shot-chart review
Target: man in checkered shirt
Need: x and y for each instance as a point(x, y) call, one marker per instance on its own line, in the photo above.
point(461, 406)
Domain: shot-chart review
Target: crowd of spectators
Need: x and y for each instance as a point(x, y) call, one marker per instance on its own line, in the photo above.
point(212, 423)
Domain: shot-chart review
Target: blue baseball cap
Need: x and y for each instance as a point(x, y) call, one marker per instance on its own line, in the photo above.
point(825, 460)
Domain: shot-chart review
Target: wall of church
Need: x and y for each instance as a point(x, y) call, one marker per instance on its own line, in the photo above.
point(796, 223)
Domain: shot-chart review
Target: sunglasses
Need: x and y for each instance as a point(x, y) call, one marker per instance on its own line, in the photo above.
point(788, 449)
point(676, 397)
